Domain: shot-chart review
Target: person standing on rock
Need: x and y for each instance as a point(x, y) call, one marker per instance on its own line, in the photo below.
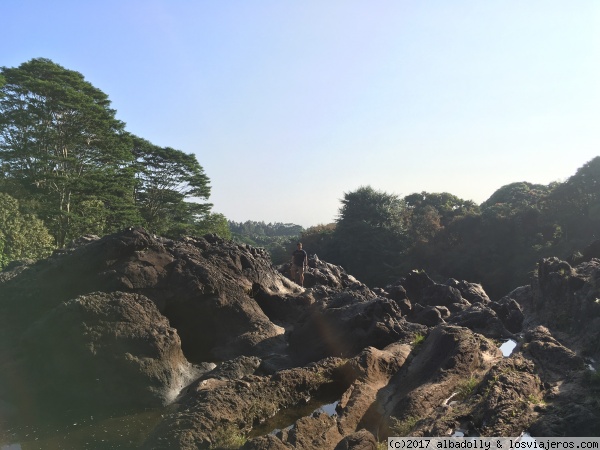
point(299, 264)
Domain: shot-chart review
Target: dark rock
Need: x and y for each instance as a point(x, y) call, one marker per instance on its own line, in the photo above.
point(345, 326)
point(268, 442)
point(234, 369)
point(441, 295)
point(472, 292)
point(510, 313)
point(198, 284)
point(509, 393)
point(108, 351)
point(552, 359)
point(372, 370)
point(399, 295)
point(481, 319)
point(414, 283)
point(429, 316)
point(361, 440)
point(321, 273)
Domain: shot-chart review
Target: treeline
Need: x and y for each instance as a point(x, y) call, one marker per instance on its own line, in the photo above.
point(66, 161)
point(379, 236)
point(278, 238)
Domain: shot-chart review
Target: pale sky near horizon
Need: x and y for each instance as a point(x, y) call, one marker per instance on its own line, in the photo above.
point(290, 104)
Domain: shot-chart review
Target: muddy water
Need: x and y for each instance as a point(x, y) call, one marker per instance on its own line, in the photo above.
point(124, 432)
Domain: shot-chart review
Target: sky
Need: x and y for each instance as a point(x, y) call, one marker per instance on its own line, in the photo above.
point(290, 104)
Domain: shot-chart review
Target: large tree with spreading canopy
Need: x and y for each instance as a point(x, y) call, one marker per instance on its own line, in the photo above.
point(61, 147)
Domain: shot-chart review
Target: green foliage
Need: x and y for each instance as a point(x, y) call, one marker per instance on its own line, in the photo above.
point(279, 239)
point(22, 236)
point(465, 388)
point(517, 196)
point(214, 223)
point(60, 144)
point(402, 427)
point(320, 240)
point(68, 160)
point(227, 437)
point(370, 234)
point(593, 378)
point(536, 399)
point(166, 178)
point(418, 340)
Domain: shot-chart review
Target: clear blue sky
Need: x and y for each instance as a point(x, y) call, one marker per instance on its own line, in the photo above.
point(289, 104)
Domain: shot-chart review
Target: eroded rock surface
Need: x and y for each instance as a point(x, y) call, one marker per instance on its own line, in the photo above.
point(128, 320)
point(115, 350)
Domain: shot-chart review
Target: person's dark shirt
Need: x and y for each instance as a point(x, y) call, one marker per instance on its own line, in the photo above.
point(299, 256)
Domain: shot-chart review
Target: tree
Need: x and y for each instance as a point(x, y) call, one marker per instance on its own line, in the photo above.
point(446, 205)
point(319, 240)
point(517, 196)
point(214, 223)
point(22, 236)
point(60, 144)
point(167, 182)
point(370, 234)
point(430, 212)
point(575, 204)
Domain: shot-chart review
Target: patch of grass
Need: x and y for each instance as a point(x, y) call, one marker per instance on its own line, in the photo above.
point(402, 427)
point(535, 399)
point(490, 385)
point(228, 437)
point(418, 340)
point(466, 387)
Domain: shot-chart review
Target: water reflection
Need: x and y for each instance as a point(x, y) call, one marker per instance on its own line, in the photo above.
point(285, 419)
point(508, 347)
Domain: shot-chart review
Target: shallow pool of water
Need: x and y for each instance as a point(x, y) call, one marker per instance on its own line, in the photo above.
point(124, 432)
point(508, 347)
point(285, 419)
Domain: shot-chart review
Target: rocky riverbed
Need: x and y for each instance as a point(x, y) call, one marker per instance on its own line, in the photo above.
point(221, 350)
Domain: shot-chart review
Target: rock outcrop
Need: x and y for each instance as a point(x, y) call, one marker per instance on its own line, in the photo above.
point(244, 357)
point(115, 349)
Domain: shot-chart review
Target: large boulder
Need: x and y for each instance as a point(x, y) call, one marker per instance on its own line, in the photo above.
point(345, 324)
point(439, 365)
point(105, 351)
point(199, 284)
